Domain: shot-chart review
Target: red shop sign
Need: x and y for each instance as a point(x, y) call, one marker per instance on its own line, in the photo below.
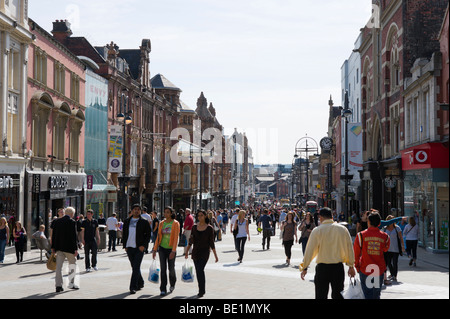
point(428, 155)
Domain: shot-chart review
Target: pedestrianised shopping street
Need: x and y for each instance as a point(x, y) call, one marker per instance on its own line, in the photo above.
point(262, 276)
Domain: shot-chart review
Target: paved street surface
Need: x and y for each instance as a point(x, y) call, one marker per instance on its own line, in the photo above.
point(263, 275)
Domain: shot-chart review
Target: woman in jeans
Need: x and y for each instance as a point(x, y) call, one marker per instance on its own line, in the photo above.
point(202, 238)
point(166, 244)
point(411, 234)
point(241, 225)
point(4, 235)
point(289, 229)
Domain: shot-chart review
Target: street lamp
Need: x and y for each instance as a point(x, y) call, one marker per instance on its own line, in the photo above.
point(346, 113)
point(125, 119)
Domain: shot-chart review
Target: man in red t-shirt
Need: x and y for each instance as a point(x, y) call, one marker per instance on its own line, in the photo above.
point(187, 227)
point(369, 247)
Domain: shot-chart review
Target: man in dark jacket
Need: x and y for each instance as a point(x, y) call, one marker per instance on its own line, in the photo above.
point(136, 236)
point(64, 244)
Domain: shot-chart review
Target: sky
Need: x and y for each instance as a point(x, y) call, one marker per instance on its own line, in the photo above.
point(267, 66)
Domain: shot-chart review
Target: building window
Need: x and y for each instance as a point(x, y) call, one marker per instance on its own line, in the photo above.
point(75, 87)
point(13, 123)
point(14, 70)
point(186, 177)
point(425, 127)
point(40, 66)
point(59, 84)
point(60, 121)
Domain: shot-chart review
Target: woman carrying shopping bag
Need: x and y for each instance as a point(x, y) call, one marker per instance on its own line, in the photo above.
point(166, 244)
point(202, 238)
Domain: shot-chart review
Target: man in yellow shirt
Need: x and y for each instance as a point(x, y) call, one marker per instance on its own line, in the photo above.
point(331, 245)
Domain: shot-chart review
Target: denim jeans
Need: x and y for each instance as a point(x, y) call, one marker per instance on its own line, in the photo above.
point(371, 285)
point(2, 249)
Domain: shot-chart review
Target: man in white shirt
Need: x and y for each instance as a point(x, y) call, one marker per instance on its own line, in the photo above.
point(148, 218)
point(112, 225)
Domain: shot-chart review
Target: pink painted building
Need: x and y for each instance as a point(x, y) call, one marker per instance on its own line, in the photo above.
point(55, 128)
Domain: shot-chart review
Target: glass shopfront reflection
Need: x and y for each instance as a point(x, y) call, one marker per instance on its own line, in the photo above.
point(426, 198)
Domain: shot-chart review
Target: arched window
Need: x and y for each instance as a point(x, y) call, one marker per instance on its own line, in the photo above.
point(42, 105)
point(186, 177)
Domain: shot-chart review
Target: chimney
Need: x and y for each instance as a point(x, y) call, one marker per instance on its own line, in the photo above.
point(61, 30)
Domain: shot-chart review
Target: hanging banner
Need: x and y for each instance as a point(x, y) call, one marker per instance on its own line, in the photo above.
point(355, 158)
point(115, 149)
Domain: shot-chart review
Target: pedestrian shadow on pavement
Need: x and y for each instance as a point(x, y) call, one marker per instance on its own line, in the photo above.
point(233, 264)
point(48, 295)
point(36, 275)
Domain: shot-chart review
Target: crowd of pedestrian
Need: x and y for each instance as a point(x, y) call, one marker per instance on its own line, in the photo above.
point(323, 235)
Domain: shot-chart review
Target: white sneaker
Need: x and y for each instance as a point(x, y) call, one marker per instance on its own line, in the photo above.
point(73, 286)
point(88, 269)
point(95, 268)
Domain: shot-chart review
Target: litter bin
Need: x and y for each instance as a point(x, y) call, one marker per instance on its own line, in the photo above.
point(102, 232)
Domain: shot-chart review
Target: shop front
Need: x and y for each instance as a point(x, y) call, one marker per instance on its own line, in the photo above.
point(49, 191)
point(426, 195)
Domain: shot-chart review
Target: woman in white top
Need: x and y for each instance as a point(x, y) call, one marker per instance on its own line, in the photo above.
point(242, 225)
point(411, 234)
point(396, 249)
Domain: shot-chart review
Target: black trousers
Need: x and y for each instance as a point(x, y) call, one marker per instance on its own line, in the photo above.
point(165, 263)
point(200, 272)
point(240, 246)
point(112, 235)
point(288, 248)
point(267, 233)
point(391, 260)
point(90, 247)
point(135, 257)
point(326, 275)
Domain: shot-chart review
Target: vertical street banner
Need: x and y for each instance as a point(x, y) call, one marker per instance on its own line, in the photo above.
point(355, 159)
point(115, 149)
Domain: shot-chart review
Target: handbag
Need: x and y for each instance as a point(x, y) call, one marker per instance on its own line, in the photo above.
point(235, 229)
point(399, 243)
point(51, 262)
point(354, 290)
point(183, 241)
point(187, 272)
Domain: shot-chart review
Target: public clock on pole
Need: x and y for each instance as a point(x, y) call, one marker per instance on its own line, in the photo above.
point(326, 143)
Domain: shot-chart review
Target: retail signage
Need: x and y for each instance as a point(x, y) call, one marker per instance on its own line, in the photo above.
point(90, 181)
point(428, 155)
point(6, 182)
point(58, 182)
point(36, 183)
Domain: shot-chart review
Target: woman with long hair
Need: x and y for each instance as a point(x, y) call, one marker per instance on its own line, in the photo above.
point(241, 225)
point(4, 235)
point(289, 229)
point(411, 234)
point(306, 227)
point(19, 234)
point(202, 240)
point(166, 244)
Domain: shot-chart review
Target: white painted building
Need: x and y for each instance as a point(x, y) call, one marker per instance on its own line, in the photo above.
point(15, 38)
